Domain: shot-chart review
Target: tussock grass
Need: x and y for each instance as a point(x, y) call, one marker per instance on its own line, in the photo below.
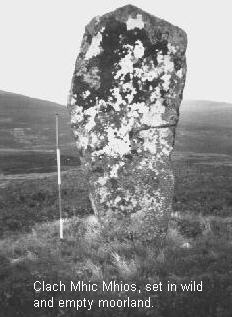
point(88, 254)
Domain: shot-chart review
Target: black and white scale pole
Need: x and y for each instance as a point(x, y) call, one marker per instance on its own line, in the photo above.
point(58, 175)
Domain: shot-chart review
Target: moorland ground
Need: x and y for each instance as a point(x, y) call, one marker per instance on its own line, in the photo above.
point(197, 248)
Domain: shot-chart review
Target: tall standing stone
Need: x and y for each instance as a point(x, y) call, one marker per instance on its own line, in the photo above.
point(124, 104)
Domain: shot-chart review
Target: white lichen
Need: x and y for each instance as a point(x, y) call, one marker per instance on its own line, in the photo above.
point(117, 145)
point(85, 94)
point(172, 49)
point(103, 194)
point(125, 64)
point(83, 141)
point(115, 168)
point(150, 140)
point(153, 115)
point(76, 114)
point(119, 101)
point(117, 199)
point(133, 23)
point(91, 113)
point(138, 49)
point(165, 62)
point(179, 73)
point(165, 143)
point(155, 94)
point(102, 180)
point(95, 46)
point(166, 81)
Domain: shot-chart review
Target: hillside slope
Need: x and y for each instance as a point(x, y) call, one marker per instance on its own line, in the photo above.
point(205, 127)
point(29, 123)
point(28, 140)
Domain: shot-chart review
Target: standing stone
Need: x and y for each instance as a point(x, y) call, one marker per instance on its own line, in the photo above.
point(124, 104)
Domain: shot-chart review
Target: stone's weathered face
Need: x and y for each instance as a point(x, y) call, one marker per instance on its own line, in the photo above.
point(125, 57)
point(126, 92)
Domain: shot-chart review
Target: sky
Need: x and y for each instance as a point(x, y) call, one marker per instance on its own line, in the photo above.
point(40, 41)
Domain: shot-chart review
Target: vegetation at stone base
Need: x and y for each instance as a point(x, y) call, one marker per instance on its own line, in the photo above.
point(198, 246)
point(41, 256)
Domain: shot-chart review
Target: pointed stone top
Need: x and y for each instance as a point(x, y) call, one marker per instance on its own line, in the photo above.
point(129, 8)
point(134, 17)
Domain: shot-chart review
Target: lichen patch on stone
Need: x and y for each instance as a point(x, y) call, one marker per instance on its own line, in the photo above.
point(95, 46)
point(133, 23)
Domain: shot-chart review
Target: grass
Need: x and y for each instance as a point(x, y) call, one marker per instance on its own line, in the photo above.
point(25, 203)
point(197, 247)
point(86, 255)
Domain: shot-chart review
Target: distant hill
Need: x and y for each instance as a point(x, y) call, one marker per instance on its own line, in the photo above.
point(29, 123)
point(205, 127)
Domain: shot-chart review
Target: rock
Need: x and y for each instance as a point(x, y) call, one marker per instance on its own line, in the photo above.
point(124, 105)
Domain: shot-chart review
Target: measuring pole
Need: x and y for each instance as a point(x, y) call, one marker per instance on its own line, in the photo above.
point(58, 175)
